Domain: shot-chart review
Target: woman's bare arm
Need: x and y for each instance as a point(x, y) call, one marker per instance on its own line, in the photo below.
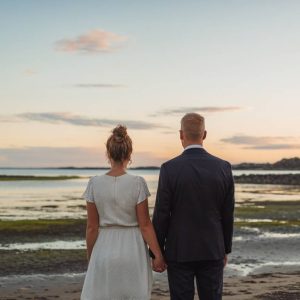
point(92, 227)
point(148, 233)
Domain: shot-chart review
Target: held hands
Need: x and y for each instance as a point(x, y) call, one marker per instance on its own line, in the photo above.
point(158, 264)
point(225, 260)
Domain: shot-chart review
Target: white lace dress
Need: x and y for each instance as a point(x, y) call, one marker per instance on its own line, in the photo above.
point(119, 268)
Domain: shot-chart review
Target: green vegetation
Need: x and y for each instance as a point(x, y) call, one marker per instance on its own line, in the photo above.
point(29, 177)
point(38, 225)
point(42, 261)
point(264, 224)
point(37, 230)
point(284, 210)
point(282, 214)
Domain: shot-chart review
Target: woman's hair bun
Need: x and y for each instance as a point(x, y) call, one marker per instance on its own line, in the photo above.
point(119, 133)
point(119, 144)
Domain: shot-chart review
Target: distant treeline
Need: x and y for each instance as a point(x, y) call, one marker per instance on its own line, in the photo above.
point(79, 168)
point(283, 164)
point(107, 168)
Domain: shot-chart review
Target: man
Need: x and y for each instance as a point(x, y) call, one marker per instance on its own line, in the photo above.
point(193, 215)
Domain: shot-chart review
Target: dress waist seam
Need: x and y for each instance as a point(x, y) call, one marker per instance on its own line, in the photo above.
point(117, 226)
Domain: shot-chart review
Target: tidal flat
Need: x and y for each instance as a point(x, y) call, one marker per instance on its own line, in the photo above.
point(34, 177)
point(15, 262)
point(279, 215)
point(25, 231)
point(260, 227)
point(276, 215)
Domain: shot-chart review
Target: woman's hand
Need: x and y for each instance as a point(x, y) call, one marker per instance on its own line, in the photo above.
point(225, 260)
point(159, 264)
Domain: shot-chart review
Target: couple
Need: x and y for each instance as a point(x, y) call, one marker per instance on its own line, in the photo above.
point(192, 222)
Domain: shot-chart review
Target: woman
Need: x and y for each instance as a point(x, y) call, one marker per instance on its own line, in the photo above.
point(118, 228)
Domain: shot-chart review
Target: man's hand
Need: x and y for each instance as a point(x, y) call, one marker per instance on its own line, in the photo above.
point(225, 260)
point(159, 264)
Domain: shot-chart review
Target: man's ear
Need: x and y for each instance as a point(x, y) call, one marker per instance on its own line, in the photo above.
point(205, 134)
point(181, 134)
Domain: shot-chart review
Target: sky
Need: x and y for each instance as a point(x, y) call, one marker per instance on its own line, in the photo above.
point(72, 70)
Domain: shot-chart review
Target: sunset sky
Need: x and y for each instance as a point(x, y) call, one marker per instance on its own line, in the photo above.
point(72, 70)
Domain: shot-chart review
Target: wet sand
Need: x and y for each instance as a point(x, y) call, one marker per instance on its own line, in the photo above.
point(264, 286)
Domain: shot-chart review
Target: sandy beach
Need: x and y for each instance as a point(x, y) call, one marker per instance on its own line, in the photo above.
point(264, 286)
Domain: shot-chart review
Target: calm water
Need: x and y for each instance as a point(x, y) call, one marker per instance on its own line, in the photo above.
point(62, 198)
point(32, 199)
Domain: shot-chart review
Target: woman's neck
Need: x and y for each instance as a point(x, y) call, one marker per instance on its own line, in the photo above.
point(117, 169)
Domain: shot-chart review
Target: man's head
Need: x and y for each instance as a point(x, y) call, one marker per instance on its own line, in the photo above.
point(192, 129)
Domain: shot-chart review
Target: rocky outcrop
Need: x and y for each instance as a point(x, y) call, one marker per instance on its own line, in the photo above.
point(284, 179)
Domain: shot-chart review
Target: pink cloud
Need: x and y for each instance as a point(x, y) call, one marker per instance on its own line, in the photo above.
point(94, 41)
point(30, 72)
point(37, 156)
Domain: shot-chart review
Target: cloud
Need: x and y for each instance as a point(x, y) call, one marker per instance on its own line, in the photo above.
point(9, 119)
point(264, 142)
point(249, 140)
point(67, 156)
point(30, 72)
point(275, 147)
point(68, 118)
point(94, 41)
point(98, 85)
point(198, 109)
point(44, 156)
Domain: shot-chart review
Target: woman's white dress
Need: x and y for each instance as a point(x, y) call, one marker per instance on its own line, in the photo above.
point(119, 266)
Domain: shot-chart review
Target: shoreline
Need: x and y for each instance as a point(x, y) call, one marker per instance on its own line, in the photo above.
point(278, 286)
point(275, 179)
point(34, 177)
point(267, 179)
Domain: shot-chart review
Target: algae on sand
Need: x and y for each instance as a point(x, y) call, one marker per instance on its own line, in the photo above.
point(32, 177)
point(41, 230)
point(15, 262)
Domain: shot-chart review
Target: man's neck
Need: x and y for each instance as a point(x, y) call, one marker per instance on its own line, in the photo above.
point(190, 146)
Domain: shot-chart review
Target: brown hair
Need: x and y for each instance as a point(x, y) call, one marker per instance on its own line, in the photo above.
point(193, 125)
point(119, 145)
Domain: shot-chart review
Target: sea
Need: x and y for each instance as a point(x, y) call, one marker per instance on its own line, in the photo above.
point(255, 250)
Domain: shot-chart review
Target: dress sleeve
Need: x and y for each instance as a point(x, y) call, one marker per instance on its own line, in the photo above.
point(88, 194)
point(143, 191)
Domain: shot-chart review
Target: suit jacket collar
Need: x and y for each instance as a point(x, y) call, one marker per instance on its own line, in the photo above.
point(193, 151)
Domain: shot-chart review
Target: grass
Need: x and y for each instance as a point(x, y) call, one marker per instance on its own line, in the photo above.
point(29, 177)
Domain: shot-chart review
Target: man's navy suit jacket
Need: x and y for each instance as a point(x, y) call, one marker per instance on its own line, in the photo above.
point(193, 214)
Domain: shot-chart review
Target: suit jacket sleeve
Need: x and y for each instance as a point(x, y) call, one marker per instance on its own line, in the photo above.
point(228, 213)
point(161, 214)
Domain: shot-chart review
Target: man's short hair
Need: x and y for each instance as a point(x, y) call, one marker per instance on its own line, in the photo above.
point(193, 126)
